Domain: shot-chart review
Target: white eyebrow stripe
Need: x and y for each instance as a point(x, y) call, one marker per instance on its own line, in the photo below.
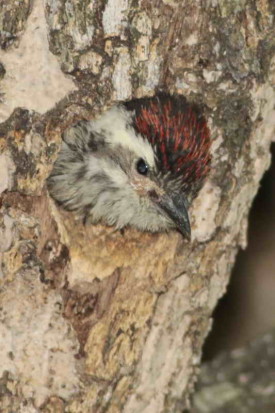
point(114, 125)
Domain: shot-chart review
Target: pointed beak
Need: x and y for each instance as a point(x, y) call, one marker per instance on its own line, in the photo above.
point(175, 206)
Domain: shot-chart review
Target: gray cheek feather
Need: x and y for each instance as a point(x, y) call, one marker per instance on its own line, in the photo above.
point(124, 207)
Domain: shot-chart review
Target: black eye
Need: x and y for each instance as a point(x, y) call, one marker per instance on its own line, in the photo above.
point(142, 167)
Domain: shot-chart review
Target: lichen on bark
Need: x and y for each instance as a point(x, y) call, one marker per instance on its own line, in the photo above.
point(13, 20)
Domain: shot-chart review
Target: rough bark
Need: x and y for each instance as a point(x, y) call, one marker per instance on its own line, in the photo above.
point(94, 320)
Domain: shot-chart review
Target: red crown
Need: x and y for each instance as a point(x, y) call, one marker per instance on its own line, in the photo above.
point(179, 133)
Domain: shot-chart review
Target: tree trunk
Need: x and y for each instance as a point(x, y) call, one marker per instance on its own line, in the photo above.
point(95, 320)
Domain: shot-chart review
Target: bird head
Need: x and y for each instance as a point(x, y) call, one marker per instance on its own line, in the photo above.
point(139, 164)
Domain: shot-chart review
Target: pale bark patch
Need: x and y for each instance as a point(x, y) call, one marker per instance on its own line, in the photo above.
point(33, 77)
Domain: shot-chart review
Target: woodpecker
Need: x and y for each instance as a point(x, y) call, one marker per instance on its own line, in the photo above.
point(139, 164)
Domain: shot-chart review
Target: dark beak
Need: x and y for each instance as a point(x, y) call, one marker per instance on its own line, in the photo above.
point(175, 206)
